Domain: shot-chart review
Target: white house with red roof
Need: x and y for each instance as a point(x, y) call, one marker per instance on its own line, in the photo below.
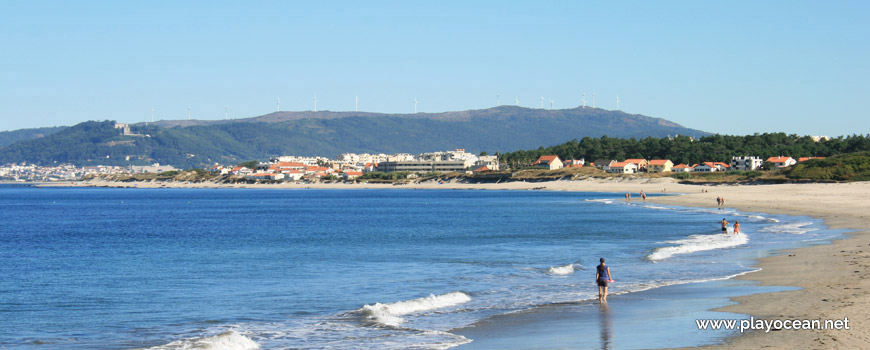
point(481, 170)
point(320, 170)
point(293, 175)
point(722, 166)
point(286, 166)
point(640, 163)
point(621, 168)
point(551, 162)
point(707, 167)
point(782, 162)
point(681, 168)
point(240, 170)
point(574, 163)
point(351, 175)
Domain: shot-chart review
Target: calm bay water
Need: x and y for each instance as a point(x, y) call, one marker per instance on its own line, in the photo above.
point(236, 268)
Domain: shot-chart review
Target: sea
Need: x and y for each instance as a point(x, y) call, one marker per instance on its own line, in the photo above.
point(129, 268)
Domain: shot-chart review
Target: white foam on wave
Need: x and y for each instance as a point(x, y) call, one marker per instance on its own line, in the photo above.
point(658, 207)
point(561, 270)
point(697, 243)
point(601, 200)
point(229, 340)
point(644, 286)
point(391, 314)
point(761, 218)
point(796, 228)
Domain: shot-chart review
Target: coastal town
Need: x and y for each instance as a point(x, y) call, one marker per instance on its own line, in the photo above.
point(351, 166)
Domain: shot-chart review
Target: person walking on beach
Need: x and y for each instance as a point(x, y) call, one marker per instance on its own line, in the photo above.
point(603, 278)
point(724, 226)
point(643, 195)
point(736, 226)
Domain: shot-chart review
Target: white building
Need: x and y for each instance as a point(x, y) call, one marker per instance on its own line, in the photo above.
point(621, 168)
point(458, 155)
point(705, 167)
point(782, 162)
point(490, 162)
point(153, 168)
point(681, 168)
point(358, 161)
point(746, 163)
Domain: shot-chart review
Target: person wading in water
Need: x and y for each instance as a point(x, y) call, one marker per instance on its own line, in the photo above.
point(603, 278)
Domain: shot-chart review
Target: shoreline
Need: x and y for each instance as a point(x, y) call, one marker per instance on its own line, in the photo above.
point(846, 262)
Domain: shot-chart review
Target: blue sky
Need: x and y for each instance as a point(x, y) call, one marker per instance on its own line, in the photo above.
point(734, 67)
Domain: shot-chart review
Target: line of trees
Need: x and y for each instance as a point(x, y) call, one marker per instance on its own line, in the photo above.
point(683, 149)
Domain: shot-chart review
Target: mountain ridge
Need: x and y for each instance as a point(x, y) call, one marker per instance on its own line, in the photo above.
point(196, 143)
point(282, 116)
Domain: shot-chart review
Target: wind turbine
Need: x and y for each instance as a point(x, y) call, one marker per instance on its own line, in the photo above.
point(227, 113)
point(497, 101)
point(617, 102)
point(315, 103)
point(415, 105)
point(516, 101)
point(551, 103)
point(542, 102)
point(152, 115)
point(584, 100)
point(279, 105)
point(188, 112)
point(593, 100)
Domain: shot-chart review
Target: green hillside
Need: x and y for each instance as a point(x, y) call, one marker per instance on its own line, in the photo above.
point(9, 137)
point(846, 167)
point(200, 143)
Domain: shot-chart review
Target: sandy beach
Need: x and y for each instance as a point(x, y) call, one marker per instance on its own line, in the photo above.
point(833, 278)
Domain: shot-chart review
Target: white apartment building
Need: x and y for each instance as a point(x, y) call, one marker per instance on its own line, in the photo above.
point(746, 163)
point(451, 156)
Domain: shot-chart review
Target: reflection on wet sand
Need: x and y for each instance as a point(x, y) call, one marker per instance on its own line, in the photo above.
point(606, 331)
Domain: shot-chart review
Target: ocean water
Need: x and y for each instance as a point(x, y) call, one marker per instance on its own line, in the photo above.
point(95, 268)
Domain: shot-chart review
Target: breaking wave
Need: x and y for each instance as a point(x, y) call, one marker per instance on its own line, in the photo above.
point(796, 228)
point(229, 340)
point(561, 270)
point(391, 314)
point(697, 243)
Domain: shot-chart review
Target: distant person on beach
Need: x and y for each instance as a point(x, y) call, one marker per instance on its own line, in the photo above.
point(628, 196)
point(736, 226)
point(724, 226)
point(603, 278)
point(643, 195)
point(718, 202)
